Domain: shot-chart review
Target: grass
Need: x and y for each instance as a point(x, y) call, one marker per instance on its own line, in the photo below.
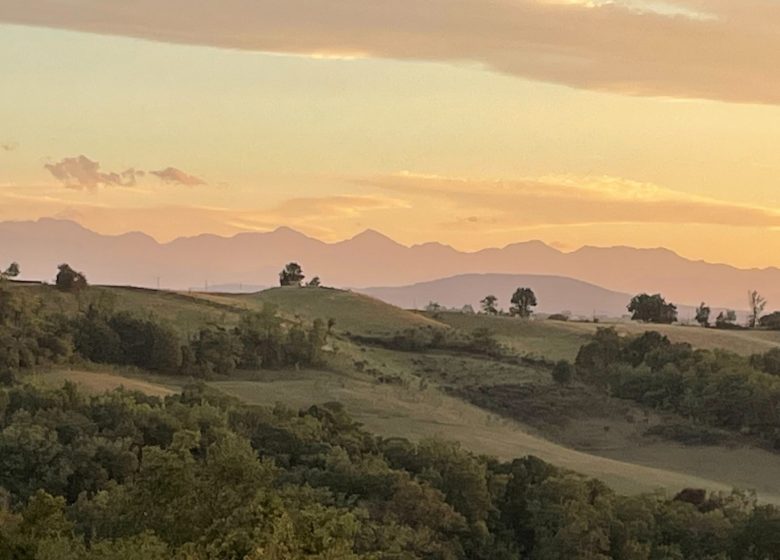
point(352, 312)
point(186, 312)
point(557, 340)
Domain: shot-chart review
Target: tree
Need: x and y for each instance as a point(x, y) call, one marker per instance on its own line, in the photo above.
point(292, 275)
point(703, 315)
point(489, 305)
point(467, 309)
point(433, 307)
point(522, 301)
point(770, 321)
point(726, 320)
point(756, 303)
point(68, 280)
point(11, 272)
point(314, 282)
point(652, 309)
point(563, 372)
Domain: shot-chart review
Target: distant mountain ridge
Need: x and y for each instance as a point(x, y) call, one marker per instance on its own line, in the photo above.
point(555, 294)
point(368, 259)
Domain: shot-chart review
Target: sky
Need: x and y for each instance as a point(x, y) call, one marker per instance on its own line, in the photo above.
point(474, 123)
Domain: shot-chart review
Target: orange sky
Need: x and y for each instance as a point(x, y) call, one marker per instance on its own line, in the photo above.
point(467, 122)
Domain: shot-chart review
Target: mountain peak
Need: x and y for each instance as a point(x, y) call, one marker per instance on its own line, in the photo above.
point(372, 236)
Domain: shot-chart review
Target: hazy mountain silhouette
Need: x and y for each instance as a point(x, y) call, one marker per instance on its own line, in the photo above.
point(555, 293)
point(369, 259)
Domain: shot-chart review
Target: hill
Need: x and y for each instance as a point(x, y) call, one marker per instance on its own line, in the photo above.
point(555, 293)
point(424, 392)
point(556, 340)
point(368, 259)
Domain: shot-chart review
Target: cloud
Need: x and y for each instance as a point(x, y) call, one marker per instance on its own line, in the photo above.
point(175, 176)
point(568, 200)
point(9, 146)
point(715, 49)
point(80, 172)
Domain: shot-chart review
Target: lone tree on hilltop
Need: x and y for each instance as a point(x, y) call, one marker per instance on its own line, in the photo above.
point(652, 309)
point(756, 303)
point(522, 301)
point(703, 315)
point(12, 271)
point(314, 282)
point(68, 280)
point(489, 305)
point(292, 275)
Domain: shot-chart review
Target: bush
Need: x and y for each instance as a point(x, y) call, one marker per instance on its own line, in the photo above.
point(563, 372)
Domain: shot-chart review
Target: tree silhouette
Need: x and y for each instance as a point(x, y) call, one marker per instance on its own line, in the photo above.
point(756, 303)
point(489, 305)
point(703, 315)
point(652, 309)
point(12, 271)
point(292, 275)
point(522, 301)
point(68, 280)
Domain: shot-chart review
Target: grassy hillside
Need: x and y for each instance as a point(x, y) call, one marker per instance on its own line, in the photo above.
point(352, 312)
point(185, 311)
point(415, 394)
point(561, 340)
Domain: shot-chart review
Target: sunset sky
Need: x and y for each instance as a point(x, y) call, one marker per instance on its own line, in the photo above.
point(474, 123)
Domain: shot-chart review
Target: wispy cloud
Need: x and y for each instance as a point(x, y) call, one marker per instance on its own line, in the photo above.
point(716, 49)
point(9, 146)
point(569, 200)
point(82, 173)
point(175, 176)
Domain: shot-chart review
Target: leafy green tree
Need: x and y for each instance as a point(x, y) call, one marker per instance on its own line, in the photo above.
point(488, 305)
point(522, 301)
point(703, 315)
point(68, 280)
point(291, 275)
point(216, 351)
point(652, 309)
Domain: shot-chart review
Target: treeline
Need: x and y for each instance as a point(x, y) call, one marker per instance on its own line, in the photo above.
point(31, 336)
point(712, 388)
point(201, 477)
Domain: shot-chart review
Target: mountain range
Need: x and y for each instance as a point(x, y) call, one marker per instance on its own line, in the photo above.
point(368, 260)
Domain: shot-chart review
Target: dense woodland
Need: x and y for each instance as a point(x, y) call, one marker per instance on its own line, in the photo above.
point(127, 476)
point(710, 387)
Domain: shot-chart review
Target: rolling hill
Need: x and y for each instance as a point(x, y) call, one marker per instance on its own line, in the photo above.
point(407, 393)
point(555, 293)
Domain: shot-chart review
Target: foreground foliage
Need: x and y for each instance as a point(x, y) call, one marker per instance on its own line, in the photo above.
point(199, 476)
